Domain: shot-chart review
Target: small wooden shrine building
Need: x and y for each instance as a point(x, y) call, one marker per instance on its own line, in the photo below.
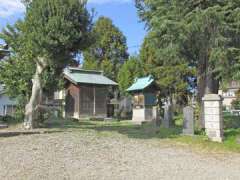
point(144, 92)
point(86, 93)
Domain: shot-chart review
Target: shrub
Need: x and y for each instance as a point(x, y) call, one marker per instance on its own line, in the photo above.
point(236, 103)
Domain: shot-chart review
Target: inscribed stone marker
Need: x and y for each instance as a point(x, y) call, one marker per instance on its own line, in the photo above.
point(188, 120)
point(213, 117)
point(167, 120)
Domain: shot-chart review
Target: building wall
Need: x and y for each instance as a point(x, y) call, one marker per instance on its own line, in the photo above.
point(125, 106)
point(86, 101)
point(93, 101)
point(6, 102)
point(228, 96)
point(72, 101)
point(101, 101)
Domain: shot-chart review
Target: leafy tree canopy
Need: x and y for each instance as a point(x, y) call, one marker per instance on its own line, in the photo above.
point(42, 44)
point(108, 51)
point(130, 70)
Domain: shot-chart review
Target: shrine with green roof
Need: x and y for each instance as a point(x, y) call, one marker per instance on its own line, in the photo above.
point(144, 92)
point(86, 93)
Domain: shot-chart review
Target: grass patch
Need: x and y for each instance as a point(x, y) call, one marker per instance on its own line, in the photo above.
point(204, 144)
point(231, 137)
point(12, 122)
point(149, 131)
point(231, 121)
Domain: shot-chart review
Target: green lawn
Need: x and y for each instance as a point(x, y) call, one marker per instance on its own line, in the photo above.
point(231, 136)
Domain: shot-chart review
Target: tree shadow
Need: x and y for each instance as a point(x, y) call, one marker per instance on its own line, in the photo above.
point(24, 133)
point(68, 123)
point(124, 127)
point(145, 131)
point(127, 128)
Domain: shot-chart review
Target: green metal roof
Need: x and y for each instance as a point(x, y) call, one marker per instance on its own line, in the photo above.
point(141, 83)
point(80, 76)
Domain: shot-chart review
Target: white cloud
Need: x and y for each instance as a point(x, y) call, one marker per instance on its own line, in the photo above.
point(108, 1)
point(10, 7)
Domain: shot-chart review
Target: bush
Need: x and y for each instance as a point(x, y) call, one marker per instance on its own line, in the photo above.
point(6, 119)
point(231, 121)
point(236, 103)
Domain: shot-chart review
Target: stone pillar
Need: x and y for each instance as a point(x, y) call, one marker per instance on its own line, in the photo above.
point(213, 117)
point(188, 120)
point(155, 116)
point(167, 119)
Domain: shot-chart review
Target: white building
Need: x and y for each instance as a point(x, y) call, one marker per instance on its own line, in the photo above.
point(7, 105)
point(229, 94)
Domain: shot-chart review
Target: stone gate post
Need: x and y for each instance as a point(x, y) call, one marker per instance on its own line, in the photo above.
point(213, 117)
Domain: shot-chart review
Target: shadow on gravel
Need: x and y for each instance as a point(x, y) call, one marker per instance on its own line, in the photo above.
point(139, 131)
point(146, 131)
point(67, 124)
point(20, 133)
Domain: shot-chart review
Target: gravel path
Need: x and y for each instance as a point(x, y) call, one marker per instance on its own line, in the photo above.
point(75, 155)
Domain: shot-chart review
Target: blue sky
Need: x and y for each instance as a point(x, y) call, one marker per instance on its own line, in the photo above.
point(122, 12)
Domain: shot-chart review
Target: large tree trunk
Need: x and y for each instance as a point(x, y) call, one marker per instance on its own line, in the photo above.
point(201, 76)
point(31, 109)
point(207, 84)
point(168, 113)
point(201, 85)
point(212, 84)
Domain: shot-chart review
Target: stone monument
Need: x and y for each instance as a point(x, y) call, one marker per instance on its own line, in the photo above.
point(213, 117)
point(156, 117)
point(167, 119)
point(188, 120)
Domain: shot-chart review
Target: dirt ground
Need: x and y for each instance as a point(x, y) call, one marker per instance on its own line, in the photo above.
point(88, 155)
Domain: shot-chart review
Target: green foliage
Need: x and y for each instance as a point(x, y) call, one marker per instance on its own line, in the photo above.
point(108, 51)
point(231, 121)
point(130, 70)
point(55, 30)
point(184, 35)
point(170, 70)
point(16, 74)
point(236, 103)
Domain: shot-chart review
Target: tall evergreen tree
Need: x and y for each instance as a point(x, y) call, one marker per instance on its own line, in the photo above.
point(49, 36)
point(108, 51)
point(201, 34)
point(171, 72)
point(130, 70)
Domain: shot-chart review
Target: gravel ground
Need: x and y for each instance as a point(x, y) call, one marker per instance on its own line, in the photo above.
point(86, 155)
